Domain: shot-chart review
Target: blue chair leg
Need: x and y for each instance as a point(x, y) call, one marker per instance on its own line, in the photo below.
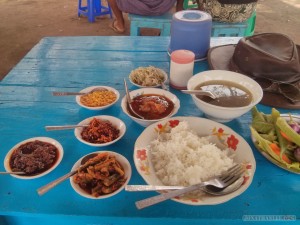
point(90, 8)
point(97, 5)
point(79, 7)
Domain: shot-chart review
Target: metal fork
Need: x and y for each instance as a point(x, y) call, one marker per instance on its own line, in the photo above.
point(222, 181)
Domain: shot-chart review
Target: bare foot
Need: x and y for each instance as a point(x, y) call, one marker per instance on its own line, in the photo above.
point(117, 27)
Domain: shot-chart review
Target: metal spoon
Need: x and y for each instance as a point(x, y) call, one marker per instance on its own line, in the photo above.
point(11, 172)
point(65, 127)
point(55, 93)
point(200, 92)
point(52, 184)
point(208, 189)
point(164, 86)
point(129, 101)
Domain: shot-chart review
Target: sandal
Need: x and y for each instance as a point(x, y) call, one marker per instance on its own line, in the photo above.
point(116, 29)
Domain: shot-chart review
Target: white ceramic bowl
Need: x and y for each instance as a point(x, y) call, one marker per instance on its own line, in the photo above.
point(158, 91)
point(117, 123)
point(219, 134)
point(124, 163)
point(88, 89)
point(43, 139)
point(225, 114)
point(158, 85)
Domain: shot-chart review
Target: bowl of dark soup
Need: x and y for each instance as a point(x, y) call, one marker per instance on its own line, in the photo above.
point(235, 94)
point(152, 104)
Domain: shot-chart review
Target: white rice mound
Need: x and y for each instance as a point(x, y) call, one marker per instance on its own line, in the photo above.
point(183, 158)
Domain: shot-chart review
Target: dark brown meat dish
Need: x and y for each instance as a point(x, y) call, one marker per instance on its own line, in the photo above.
point(33, 157)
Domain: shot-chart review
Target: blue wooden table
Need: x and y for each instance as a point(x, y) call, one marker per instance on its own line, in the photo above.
point(73, 63)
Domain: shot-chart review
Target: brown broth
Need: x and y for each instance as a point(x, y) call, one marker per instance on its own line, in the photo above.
point(152, 106)
point(229, 94)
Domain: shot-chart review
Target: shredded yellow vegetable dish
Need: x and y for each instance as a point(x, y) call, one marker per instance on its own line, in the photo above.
point(147, 76)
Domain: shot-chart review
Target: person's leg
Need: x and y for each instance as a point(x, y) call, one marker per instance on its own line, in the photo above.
point(179, 5)
point(118, 23)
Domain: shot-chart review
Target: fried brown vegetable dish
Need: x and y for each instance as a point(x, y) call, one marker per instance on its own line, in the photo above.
point(102, 175)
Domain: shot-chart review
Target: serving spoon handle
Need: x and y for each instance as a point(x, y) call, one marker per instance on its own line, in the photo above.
point(66, 127)
point(59, 93)
point(52, 184)
point(56, 93)
point(84, 164)
point(200, 92)
point(19, 173)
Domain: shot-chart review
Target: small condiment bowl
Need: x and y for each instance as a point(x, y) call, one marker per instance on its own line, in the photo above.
point(157, 91)
point(42, 139)
point(89, 89)
point(220, 113)
point(123, 162)
point(165, 75)
point(116, 122)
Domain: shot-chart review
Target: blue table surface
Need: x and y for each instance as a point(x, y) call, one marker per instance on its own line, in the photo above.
point(73, 63)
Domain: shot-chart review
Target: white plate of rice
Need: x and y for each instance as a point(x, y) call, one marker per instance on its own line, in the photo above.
point(182, 151)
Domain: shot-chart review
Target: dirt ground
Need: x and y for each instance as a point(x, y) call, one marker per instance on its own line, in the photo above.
point(24, 22)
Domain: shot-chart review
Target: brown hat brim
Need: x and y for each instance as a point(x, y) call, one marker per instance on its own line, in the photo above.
point(219, 59)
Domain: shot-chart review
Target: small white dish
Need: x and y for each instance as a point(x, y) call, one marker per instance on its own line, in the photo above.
point(124, 163)
point(117, 123)
point(165, 75)
point(88, 89)
point(42, 139)
point(157, 91)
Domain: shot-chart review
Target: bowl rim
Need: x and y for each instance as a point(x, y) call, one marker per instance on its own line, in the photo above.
point(123, 161)
point(175, 110)
point(154, 86)
point(212, 72)
point(97, 107)
point(41, 138)
point(120, 125)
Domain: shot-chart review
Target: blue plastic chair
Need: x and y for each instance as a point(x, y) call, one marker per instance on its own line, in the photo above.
point(234, 29)
point(162, 22)
point(92, 9)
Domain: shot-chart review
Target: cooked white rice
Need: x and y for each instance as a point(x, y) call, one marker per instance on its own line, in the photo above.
point(182, 158)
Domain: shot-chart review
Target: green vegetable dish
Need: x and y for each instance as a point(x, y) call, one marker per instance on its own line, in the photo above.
point(278, 138)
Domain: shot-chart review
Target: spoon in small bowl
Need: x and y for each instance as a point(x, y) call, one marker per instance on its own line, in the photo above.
point(52, 184)
point(11, 172)
point(55, 93)
point(200, 92)
point(129, 101)
point(65, 127)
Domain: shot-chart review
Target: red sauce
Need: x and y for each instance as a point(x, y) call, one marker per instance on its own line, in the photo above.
point(99, 131)
point(152, 106)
